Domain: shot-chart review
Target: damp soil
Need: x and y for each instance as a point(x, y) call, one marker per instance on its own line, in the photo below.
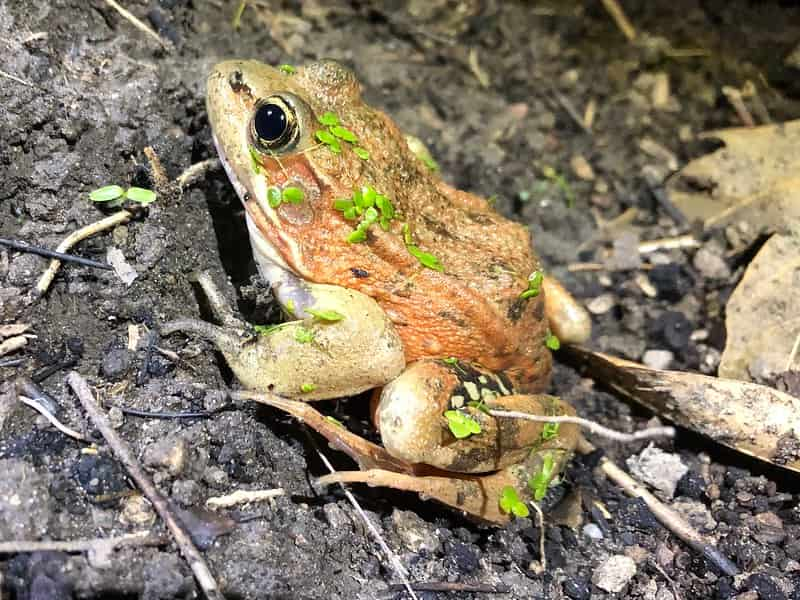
point(500, 92)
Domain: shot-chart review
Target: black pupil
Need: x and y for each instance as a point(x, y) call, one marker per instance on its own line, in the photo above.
point(270, 123)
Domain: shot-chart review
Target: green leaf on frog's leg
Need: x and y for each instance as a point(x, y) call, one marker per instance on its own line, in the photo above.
point(288, 69)
point(510, 502)
point(385, 206)
point(255, 160)
point(268, 329)
point(307, 387)
point(140, 195)
point(329, 119)
point(549, 431)
point(450, 360)
point(407, 235)
point(293, 195)
point(289, 307)
point(325, 314)
point(303, 335)
point(552, 342)
point(361, 153)
point(106, 193)
point(479, 405)
point(461, 425)
point(343, 133)
point(335, 421)
point(274, 197)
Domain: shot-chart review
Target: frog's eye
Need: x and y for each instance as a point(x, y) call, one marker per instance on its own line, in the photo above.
point(274, 126)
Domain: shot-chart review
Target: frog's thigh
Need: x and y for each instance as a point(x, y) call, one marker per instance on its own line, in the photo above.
point(314, 358)
point(413, 428)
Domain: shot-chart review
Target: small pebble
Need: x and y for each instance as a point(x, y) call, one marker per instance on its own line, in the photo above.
point(711, 264)
point(658, 359)
point(601, 305)
point(614, 573)
point(592, 531)
point(660, 469)
point(581, 167)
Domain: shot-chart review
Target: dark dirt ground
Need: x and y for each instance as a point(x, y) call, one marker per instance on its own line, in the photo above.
point(99, 91)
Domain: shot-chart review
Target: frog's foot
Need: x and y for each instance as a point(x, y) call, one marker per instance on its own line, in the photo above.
point(568, 320)
point(351, 346)
point(476, 495)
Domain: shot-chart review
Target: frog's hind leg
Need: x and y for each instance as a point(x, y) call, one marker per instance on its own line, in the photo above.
point(437, 413)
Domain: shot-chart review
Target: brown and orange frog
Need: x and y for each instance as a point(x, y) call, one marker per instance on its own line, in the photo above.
point(393, 281)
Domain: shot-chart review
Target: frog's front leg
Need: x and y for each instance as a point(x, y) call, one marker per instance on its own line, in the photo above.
point(349, 346)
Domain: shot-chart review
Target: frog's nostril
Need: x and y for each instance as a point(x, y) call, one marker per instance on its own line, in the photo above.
point(236, 81)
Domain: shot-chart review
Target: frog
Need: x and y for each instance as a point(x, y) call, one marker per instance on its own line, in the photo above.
point(394, 282)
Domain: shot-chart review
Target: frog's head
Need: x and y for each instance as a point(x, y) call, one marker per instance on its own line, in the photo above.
point(276, 129)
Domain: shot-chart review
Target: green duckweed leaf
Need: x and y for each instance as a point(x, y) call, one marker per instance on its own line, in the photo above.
point(549, 431)
point(303, 335)
point(552, 342)
point(307, 387)
point(361, 153)
point(106, 193)
point(293, 195)
point(540, 481)
point(288, 69)
point(461, 425)
point(273, 197)
point(329, 119)
point(343, 133)
point(425, 258)
point(534, 285)
point(325, 314)
point(510, 502)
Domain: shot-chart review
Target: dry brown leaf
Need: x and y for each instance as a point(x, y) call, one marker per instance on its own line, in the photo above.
point(755, 177)
point(762, 316)
point(751, 418)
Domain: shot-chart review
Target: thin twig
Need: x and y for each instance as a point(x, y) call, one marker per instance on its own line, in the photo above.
point(29, 248)
point(594, 427)
point(118, 218)
point(13, 344)
point(571, 111)
point(453, 586)
point(196, 171)
point(139, 538)
point(52, 418)
point(793, 353)
point(620, 18)
point(243, 497)
point(15, 78)
point(666, 516)
point(734, 96)
point(123, 453)
point(540, 515)
point(160, 178)
point(396, 564)
point(670, 243)
point(138, 24)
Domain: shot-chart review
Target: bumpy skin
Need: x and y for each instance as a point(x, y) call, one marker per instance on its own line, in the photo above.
point(471, 310)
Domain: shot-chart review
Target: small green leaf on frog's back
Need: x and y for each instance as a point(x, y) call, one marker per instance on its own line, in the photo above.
point(361, 153)
point(552, 342)
point(350, 213)
point(288, 69)
point(273, 197)
point(307, 387)
point(344, 133)
point(342, 204)
point(330, 119)
point(325, 137)
point(293, 195)
point(325, 314)
point(140, 195)
point(359, 235)
point(106, 193)
point(425, 258)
